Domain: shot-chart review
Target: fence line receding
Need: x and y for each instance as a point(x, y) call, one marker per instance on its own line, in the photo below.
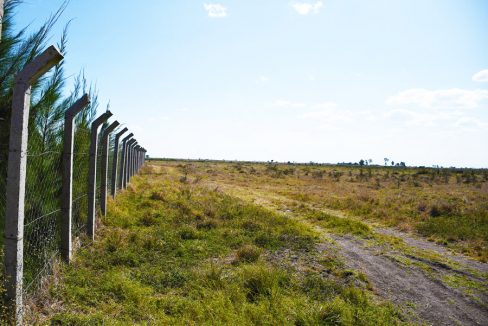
point(55, 179)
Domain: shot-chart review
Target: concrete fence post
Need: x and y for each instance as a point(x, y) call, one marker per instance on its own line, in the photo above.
point(133, 160)
point(115, 163)
point(134, 163)
point(139, 159)
point(1, 17)
point(67, 190)
point(92, 174)
point(16, 176)
point(127, 163)
point(123, 160)
point(104, 174)
point(136, 149)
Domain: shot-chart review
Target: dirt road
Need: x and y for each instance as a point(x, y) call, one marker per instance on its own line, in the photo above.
point(426, 281)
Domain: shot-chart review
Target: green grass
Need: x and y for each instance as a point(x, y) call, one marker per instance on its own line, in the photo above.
point(341, 225)
point(446, 205)
point(171, 252)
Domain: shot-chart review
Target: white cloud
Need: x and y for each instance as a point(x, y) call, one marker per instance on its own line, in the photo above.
point(310, 77)
point(454, 98)
point(412, 118)
point(215, 10)
point(325, 106)
point(263, 79)
point(305, 8)
point(481, 76)
point(288, 104)
point(435, 120)
point(470, 123)
point(330, 115)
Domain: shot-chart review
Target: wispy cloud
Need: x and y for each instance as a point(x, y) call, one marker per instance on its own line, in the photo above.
point(305, 8)
point(325, 106)
point(481, 76)
point(310, 77)
point(331, 116)
point(288, 104)
point(454, 98)
point(215, 10)
point(436, 119)
point(471, 123)
point(442, 109)
point(263, 79)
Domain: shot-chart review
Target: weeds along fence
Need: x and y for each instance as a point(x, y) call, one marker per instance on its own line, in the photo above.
point(54, 183)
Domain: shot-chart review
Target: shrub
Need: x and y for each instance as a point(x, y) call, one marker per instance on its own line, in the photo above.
point(207, 225)
point(442, 208)
point(248, 254)
point(263, 282)
point(157, 195)
point(188, 233)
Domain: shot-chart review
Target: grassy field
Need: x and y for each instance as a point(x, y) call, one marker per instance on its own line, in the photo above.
point(448, 206)
point(173, 252)
point(236, 243)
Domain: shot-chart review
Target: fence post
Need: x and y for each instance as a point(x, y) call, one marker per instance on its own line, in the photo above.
point(123, 167)
point(134, 164)
point(127, 162)
point(104, 174)
point(133, 152)
point(115, 163)
point(144, 157)
point(92, 173)
point(1, 17)
point(16, 175)
point(133, 160)
point(139, 159)
point(67, 191)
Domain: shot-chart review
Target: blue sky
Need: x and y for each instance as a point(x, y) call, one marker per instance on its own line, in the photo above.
point(323, 81)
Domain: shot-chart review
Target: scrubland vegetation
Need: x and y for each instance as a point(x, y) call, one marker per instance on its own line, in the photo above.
point(172, 251)
point(235, 243)
point(448, 206)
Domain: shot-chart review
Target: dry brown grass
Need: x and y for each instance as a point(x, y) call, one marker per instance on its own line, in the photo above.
point(444, 205)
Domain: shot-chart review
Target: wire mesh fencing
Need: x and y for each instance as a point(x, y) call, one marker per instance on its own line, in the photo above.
point(111, 157)
point(3, 185)
point(43, 200)
point(45, 203)
point(81, 159)
point(42, 212)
